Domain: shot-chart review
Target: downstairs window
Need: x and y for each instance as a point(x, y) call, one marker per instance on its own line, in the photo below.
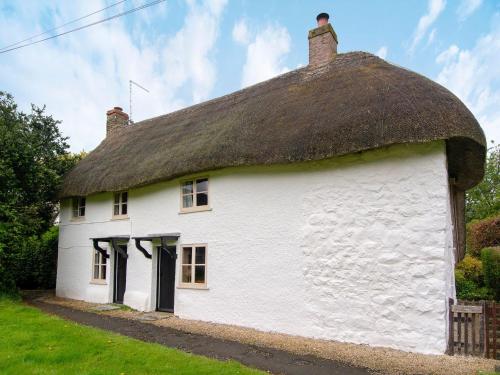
point(194, 266)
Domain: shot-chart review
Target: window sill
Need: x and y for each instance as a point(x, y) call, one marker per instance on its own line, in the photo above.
point(196, 209)
point(193, 286)
point(98, 282)
point(120, 217)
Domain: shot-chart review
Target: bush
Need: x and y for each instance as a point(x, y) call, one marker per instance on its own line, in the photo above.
point(468, 289)
point(491, 265)
point(7, 283)
point(483, 233)
point(472, 269)
point(38, 261)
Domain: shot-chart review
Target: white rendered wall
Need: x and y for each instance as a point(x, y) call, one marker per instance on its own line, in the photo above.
point(356, 249)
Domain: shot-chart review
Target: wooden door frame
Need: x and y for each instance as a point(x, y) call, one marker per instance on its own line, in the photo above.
point(158, 263)
point(115, 273)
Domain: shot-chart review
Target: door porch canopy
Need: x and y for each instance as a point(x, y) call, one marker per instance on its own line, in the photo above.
point(163, 237)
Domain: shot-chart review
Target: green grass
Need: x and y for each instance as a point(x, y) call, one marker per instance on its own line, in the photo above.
point(32, 342)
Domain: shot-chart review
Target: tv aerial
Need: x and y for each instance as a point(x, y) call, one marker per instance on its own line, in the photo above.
point(130, 84)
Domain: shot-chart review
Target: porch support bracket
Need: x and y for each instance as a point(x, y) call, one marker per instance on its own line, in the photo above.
point(140, 248)
point(118, 248)
point(113, 240)
point(99, 249)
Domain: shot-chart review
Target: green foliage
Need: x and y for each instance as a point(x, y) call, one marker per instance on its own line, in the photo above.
point(472, 269)
point(483, 233)
point(479, 279)
point(37, 261)
point(35, 343)
point(491, 265)
point(469, 290)
point(33, 159)
point(484, 199)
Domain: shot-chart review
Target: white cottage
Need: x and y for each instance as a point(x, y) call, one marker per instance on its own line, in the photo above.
point(327, 202)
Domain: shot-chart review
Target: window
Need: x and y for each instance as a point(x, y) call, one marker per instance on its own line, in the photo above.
point(194, 266)
point(120, 204)
point(194, 195)
point(99, 266)
point(78, 207)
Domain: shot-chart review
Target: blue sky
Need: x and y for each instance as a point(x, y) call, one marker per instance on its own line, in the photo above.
point(188, 51)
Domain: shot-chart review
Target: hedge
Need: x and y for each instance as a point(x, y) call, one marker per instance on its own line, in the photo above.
point(483, 233)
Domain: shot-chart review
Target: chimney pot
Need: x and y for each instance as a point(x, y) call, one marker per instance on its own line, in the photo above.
point(322, 19)
point(116, 120)
point(322, 42)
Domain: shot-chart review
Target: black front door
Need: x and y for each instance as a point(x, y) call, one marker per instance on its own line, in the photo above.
point(166, 279)
point(120, 275)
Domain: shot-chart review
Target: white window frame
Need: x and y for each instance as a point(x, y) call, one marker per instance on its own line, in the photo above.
point(120, 204)
point(195, 208)
point(80, 203)
point(193, 264)
point(101, 261)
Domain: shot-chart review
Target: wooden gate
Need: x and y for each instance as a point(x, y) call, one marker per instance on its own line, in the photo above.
point(474, 328)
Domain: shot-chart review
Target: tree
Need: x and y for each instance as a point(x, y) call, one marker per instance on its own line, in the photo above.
point(484, 199)
point(33, 158)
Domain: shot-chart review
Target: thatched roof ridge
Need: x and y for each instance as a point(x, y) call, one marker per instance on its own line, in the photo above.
point(355, 103)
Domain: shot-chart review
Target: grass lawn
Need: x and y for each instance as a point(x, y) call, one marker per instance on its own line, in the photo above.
point(32, 342)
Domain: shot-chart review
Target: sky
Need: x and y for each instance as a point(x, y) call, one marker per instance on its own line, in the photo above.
point(188, 51)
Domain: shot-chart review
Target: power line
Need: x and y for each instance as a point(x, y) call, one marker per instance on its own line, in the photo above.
point(86, 26)
point(60, 26)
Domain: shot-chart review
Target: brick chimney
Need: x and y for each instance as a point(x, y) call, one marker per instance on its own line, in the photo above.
point(322, 41)
point(116, 120)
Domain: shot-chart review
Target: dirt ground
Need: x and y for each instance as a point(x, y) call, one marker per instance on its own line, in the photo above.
point(277, 353)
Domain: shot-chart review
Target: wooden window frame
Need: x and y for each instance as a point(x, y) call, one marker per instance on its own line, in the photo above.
point(193, 264)
point(102, 261)
point(79, 207)
point(120, 204)
point(194, 208)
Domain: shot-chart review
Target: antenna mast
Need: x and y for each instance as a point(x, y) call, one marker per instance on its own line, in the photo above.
point(130, 83)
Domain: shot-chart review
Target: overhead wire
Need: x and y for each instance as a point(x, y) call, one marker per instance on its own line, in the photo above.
point(61, 26)
point(85, 26)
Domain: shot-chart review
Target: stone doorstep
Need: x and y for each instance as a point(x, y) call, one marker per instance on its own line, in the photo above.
point(105, 307)
point(152, 316)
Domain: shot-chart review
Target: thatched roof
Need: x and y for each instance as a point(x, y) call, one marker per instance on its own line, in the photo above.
point(357, 102)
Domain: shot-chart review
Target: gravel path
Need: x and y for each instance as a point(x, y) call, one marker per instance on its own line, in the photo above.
point(380, 360)
point(272, 360)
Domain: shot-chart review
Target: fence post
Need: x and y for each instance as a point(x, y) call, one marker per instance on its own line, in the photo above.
point(494, 328)
point(486, 330)
point(481, 330)
point(450, 327)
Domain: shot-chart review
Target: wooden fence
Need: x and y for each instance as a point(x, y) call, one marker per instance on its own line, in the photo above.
point(474, 329)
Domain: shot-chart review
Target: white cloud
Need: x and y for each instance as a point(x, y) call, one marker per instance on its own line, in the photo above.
point(187, 54)
point(241, 34)
point(447, 54)
point(434, 9)
point(432, 36)
point(81, 75)
point(474, 76)
point(382, 52)
point(265, 55)
point(467, 7)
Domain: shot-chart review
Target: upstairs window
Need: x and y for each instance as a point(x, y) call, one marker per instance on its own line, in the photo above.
point(99, 267)
point(194, 266)
point(120, 204)
point(78, 207)
point(194, 195)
